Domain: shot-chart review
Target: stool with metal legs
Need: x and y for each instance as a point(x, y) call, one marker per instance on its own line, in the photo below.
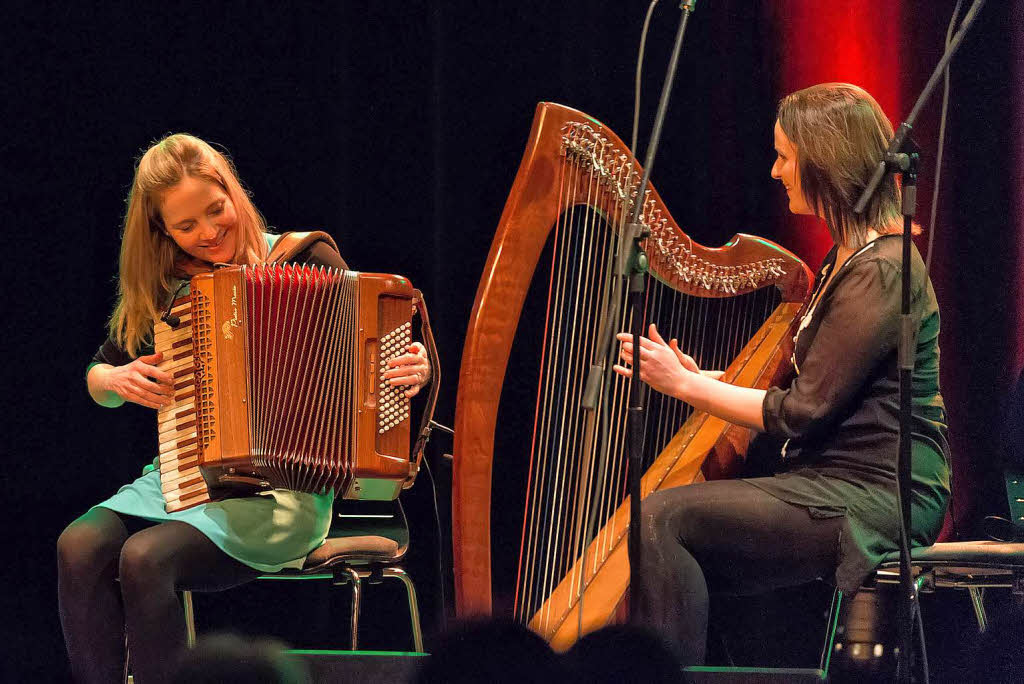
point(367, 541)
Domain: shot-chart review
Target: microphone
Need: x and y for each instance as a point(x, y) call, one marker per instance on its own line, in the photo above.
point(169, 318)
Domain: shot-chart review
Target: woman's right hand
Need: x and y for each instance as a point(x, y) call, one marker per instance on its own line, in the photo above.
point(141, 382)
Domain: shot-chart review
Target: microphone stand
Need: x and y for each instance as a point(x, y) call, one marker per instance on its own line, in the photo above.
point(632, 264)
point(902, 157)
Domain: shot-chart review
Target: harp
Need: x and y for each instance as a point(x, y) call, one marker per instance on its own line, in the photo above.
point(733, 308)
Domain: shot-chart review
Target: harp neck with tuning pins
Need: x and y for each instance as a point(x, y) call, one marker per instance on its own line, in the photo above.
point(733, 308)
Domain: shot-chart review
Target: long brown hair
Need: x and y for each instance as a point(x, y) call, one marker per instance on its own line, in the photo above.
point(840, 133)
point(148, 254)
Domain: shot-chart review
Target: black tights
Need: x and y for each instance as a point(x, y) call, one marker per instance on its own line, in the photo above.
point(724, 537)
point(152, 563)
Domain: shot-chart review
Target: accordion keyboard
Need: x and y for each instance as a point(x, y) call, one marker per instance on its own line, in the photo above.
point(182, 483)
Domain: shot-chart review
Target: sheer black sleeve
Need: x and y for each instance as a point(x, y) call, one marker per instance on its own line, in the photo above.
point(320, 254)
point(858, 330)
point(110, 352)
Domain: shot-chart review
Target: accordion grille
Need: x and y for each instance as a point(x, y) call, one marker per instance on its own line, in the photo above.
point(202, 327)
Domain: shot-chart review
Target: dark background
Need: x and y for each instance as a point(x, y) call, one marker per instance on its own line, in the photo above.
point(398, 128)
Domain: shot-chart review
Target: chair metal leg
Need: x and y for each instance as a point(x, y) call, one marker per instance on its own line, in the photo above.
point(190, 619)
point(830, 632)
point(126, 678)
point(357, 592)
point(414, 607)
point(978, 602)
point(190, 633)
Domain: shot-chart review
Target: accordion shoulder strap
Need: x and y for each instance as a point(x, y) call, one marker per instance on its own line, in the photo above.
point(435, 384)
point(290, 245)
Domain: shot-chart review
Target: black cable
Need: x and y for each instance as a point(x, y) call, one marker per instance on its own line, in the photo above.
point(636, 84)
point(942, 143)
point(920, 633)
point(167, 318)
point(440, 546)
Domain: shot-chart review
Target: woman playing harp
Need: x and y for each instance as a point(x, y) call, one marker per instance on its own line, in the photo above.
point(550, 264)
point(186, 212)
point(833, 495)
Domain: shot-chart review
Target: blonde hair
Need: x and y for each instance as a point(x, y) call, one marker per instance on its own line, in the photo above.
point(148, 254)
point(840, 133)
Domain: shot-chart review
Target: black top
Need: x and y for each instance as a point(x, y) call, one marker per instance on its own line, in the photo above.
point(840, 416)
point(317, 254)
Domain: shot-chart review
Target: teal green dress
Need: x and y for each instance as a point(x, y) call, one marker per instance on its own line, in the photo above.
point(269, 532)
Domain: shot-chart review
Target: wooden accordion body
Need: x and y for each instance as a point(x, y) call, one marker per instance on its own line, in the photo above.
point(278, 384)
point(571, 196)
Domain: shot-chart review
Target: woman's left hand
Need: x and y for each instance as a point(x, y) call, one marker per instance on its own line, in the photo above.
point(186, 266)
point(662, 365)
point(412, 369)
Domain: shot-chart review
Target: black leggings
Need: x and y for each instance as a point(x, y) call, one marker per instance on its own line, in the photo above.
point(116, 570)
point(724, 537)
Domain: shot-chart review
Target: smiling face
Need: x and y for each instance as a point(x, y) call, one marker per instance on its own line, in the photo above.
point(787, 170)
point(200, 217)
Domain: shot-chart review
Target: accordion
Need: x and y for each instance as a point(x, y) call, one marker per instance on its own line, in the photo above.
point(278, 383)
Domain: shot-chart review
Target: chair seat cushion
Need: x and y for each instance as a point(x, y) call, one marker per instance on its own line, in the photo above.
point(979, 554)
point(362, 549)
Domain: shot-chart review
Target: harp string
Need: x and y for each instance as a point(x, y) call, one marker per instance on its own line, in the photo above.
point(577, 471)
point(598, 481)
point(611, 485)
point(574, 240)
point(603, 271)
point(537, 465)
point(599, 269)
point(576, 455)
point(566, 460)
point(562, 485)
point(535, 491)
point(614, 404)
point(611, 454)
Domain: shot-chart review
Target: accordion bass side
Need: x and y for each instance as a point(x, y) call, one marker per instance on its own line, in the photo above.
point(278, 375)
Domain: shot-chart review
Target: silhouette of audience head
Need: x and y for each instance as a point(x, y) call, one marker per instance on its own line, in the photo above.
point(492, 651)
point(233, 659)
point(623, 653)
point(501, 651)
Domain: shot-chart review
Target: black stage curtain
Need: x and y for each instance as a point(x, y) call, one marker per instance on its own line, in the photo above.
point(397, 127)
